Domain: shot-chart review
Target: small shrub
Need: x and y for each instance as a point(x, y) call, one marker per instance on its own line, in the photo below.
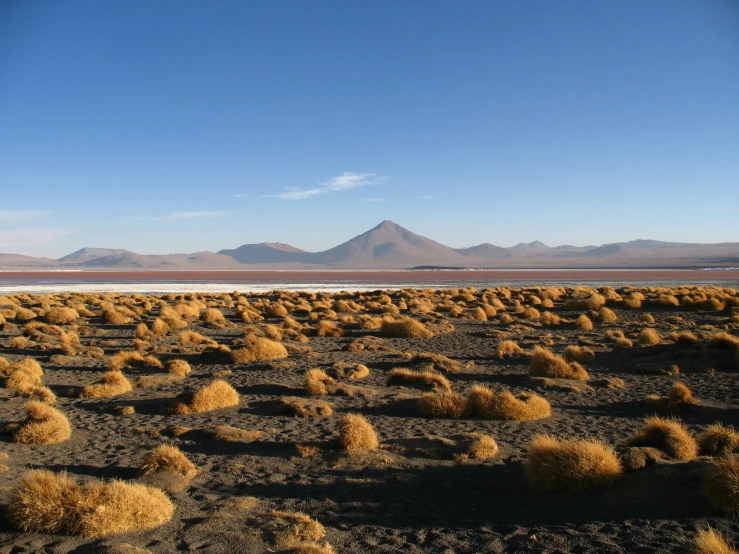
point(649, 337)
point(61, 315)
point(171, 459)
point(355, 432)
point(583, 322)
point(317, 383)
point(679, 395)
point(721, 485)
point(712, 542)
point(214, 396)
point(570, 465)
point(718, 440)
point(482, 447)
point(419, 379)
point(258, 349)
point(668, 435)
point(178, 367)
point(505, 406)
point(46, 502)
point(575, 353)
point(546, 364)
point(405, 327)
point(445, 404)
point(112, 383)
point(43, 425)
point(508, 349)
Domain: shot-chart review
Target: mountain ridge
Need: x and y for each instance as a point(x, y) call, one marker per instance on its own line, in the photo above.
point(391, 246)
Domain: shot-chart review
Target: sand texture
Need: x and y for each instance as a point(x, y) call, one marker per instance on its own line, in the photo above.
point(258, 462)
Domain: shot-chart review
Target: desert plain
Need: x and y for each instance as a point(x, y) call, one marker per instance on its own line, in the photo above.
point(539, 419)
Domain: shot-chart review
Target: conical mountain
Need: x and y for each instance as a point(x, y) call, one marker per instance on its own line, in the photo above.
point(389, 246)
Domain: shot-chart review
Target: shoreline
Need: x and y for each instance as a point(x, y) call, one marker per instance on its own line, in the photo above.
point(686, 275)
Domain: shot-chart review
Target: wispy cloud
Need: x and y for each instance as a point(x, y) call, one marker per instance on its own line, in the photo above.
point(179, 216)
point(345, 181)
point(425, 197)
point(30, 237)
point(241, 195)
point(20, 215)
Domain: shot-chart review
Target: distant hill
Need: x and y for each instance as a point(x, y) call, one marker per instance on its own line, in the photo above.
point(390, 246)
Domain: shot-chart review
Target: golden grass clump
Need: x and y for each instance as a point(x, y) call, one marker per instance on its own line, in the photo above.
point(443, 404)
point(429, 360)
point(721, 484)
point(112, 383)
point(680, 395)
point(506, 406)
point(546, 364)
point(593, 302)
point(508, 349)
point(178, 367)
point(718, 440)
point(47, 502)
point(482, 447)
point(649, 337)
point(43, 425)
point(214, 396)
point(685, 338)
point(723, 340)
point(302, 407)
point(191, 337)
point(61, 315)
point(709, 541)
point(213, 316)
point(550, 319)
point(355, 432)
point(352, 372)
point(570, 465)
point(168, 458)
point(317, 383)
point(405, 327)
point(418, 379)
point(575, 353)
point(258, 349)
point(668, 435)
point(583, 322)
point(129, 358)
point(606, 315)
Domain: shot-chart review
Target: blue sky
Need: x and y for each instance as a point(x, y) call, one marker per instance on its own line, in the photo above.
point(180, 126)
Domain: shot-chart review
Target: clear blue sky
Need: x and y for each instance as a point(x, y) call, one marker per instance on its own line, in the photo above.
point(180, 126)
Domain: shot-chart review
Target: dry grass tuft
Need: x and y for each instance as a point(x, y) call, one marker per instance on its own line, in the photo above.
point(303, 407)
point(168, 458)
point(418, 379)
point(606, 315)
point(570, 465)
point(404, 327)
point(668, 435)
point(508, 349)
point(258, 349)
point(721, 485)
point(61, 315)
point(712, 542)
point(112, 383)
point(43, 425)
point(355, 432)
point(234, 434)
point(178, 367)
point(130, 358)
point(445, 404)
point(482, 447)
point(575, 353)
point(429, 360)
point(317, 383)
point(47, 502)
point(718, 440)
point(546, 364)
point(649, 337)
point(505, 406)
point(583, 322)
point(352, 372)
point(680, 395)
point(214, 396)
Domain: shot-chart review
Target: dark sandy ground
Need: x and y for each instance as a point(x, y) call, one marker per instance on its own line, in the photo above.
point(412, 496)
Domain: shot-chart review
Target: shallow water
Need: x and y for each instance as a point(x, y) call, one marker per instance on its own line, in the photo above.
point(186, 286)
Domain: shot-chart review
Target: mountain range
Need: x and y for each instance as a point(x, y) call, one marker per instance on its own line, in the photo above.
point(390, 246)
